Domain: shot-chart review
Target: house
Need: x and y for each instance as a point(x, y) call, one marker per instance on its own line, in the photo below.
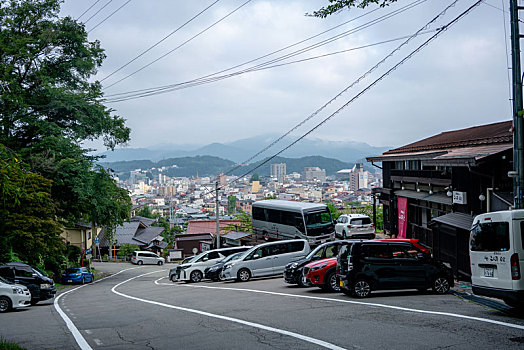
point(137, 231)
point(81, 235)
point(434, 187)
point(193, 243)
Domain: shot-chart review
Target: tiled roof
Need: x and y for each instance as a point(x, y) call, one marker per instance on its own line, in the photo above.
point(475, 136)
point(209, 226)
point(146, 235)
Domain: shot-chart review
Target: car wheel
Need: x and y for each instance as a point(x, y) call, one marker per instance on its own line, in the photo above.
point(331, 282)
point(83, 280)
point(139, 262)
point(5, 304)
point(196, 276)
point(173, 278)
point(243, 275)
point(361, 288)
point(159, 263)
point(441, 285)
point(300, 282)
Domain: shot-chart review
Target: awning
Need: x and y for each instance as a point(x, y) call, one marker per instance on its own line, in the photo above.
point(441, 198)
point(459, 220)
point(411, 194)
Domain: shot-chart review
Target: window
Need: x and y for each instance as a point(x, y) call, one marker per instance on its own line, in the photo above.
point(319, 253)
point(490, 237)
point(88, 234)
point(403, 252)
point(23, 273)
point(361, 221)
point(332, 250)
point(296, 246)
point(259, 214)
point(273, 216)
point(374, 251)
point(213, 255)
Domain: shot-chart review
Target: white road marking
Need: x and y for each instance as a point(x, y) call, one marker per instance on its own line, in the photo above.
point(98, 342)
point(88, 331)
point(225, 318)
point(80, 340)
point(480, 319)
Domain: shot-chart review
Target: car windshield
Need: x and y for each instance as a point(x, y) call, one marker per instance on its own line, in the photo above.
point(318, 219)
point(191, 259)
point(39, 272)
point(313, 252)
point(73, 270)
point(232, 257)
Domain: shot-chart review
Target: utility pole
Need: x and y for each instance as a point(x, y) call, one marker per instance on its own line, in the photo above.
point(518, 136)
point(216, 213)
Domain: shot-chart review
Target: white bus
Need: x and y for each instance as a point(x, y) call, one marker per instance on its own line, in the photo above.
point(496, 251)
point(280, 219)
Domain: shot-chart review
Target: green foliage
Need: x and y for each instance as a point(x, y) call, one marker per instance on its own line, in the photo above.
point(146, 212)
point(270, 197)
point(246, 223)
point(73, 254)
point(254, 177)
point(335, 213)
point(338, 5)
point(9, 345)
point(231, 204)
point(127, 249)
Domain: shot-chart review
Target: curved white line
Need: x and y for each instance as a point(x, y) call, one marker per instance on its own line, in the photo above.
point(225, 318)
point(80, 340)
point(480, 319)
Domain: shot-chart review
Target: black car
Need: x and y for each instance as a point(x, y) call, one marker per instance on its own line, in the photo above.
point(378, 265)
point(214, 272)
point(40, 286)
point(293, 271)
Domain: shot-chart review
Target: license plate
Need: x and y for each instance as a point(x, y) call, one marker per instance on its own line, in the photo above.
point(489, 272)
point(69, 281)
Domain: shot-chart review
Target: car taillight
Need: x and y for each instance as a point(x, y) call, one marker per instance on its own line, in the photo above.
point(372, 225)
point(350, 226)
point(515, 267)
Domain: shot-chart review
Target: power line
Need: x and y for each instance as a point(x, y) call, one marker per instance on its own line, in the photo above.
point(96, 13)
point(90, 7)
point(160, 41)
point(209, 78)
point(179, 46)
point(112, 13)
point(366, 89)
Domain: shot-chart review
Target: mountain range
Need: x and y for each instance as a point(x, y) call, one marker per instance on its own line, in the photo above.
point(241, 150)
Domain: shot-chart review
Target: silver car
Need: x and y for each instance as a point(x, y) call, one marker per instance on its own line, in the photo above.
point(145, 257)
point(265, 259)
point(13, 296)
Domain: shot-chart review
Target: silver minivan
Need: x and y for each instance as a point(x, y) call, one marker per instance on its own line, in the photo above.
point(145, 257)
point(266, 259)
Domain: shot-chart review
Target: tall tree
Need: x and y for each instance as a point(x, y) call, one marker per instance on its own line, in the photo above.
point(338, 5)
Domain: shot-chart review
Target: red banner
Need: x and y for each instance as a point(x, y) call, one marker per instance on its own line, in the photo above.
point(402, 216)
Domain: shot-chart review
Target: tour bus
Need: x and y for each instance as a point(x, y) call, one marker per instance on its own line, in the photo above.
point(279, 219)
point(496, 252)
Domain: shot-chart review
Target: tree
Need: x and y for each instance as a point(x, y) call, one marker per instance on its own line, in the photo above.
point(146, 212)
point(28, 229)
point(127, 249)
point(254, 177)
point(335, 213)
point(338, 5)
point(49, 105)
point(231, 204)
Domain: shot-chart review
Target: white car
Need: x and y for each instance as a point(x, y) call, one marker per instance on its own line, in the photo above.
point(357, 226)
point(146, 257)
point(13, 296)
point(193, 271)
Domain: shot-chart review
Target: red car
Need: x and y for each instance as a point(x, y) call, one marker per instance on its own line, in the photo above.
point(413, 241)
point(323, 274)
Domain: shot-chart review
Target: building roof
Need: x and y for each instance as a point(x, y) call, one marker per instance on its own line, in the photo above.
point(463, 147)
point(194, 237)
point(459, 220)
point(209, 226)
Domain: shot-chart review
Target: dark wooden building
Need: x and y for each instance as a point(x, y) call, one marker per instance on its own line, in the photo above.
point(434, 187)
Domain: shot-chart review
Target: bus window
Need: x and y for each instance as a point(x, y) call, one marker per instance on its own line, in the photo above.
point(258, 214)
point(273, 216)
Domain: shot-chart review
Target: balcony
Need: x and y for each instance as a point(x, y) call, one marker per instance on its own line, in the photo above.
point(434, 177)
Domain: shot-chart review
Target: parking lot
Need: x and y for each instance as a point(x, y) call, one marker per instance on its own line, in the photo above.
point(138, 307)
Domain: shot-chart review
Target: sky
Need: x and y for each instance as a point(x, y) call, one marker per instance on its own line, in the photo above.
point(458, 80)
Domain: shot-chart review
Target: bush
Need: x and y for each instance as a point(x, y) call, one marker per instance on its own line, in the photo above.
point(9, 345)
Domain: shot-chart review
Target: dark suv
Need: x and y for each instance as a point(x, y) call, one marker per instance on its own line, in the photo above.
point(40, 286)
point(375, 265)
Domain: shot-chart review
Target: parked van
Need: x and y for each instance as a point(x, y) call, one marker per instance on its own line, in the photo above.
point(41, 286)
point(266, 259)
point(146, 257)
point(193, 271)
point(496, 253)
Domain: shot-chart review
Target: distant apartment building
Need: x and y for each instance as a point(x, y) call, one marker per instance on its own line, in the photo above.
point(278, 171)
point(314, 173)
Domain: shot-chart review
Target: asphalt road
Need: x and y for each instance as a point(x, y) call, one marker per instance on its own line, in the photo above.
point(139, 308)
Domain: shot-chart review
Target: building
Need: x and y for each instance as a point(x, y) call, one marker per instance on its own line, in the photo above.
point(278, 171)
point(434, 187)
point(314, 173)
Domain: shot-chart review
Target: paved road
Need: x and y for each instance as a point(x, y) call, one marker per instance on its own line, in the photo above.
point(140, 309)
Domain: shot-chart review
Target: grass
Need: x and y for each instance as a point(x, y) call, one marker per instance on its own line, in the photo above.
point(9, 345)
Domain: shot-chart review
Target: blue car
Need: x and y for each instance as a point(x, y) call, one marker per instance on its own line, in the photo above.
point(77, 275)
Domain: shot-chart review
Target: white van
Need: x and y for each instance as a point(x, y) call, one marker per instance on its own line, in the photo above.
point(266, 259)
point(140, 257)
point(496, 250)
point(193, 270)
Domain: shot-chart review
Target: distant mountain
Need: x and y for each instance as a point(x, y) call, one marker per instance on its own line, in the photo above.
point(241, 150)
point(211, 166)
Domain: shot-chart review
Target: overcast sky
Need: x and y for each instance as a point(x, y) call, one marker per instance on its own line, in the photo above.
point(457, 81)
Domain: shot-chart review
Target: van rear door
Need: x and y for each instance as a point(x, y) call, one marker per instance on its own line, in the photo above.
point(491, 247)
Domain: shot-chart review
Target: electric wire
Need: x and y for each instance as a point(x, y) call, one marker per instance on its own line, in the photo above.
point(90, 7)
point(210, 78)
point(363, 91)
point(510, 94)
point(105, 19)
point(160, 41)
point(96, 13)
point(179, 46)
point(358, 80)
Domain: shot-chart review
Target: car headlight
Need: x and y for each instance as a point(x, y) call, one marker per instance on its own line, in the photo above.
point(45, 286)
point(228, 266)
point(319, 267)
point(18, 290)
point(448, 265)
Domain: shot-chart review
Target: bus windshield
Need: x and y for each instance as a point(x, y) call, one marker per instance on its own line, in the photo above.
point(318, 219)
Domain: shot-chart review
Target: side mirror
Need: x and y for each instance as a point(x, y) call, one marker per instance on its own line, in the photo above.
point(205, 258)
point(256, 256)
